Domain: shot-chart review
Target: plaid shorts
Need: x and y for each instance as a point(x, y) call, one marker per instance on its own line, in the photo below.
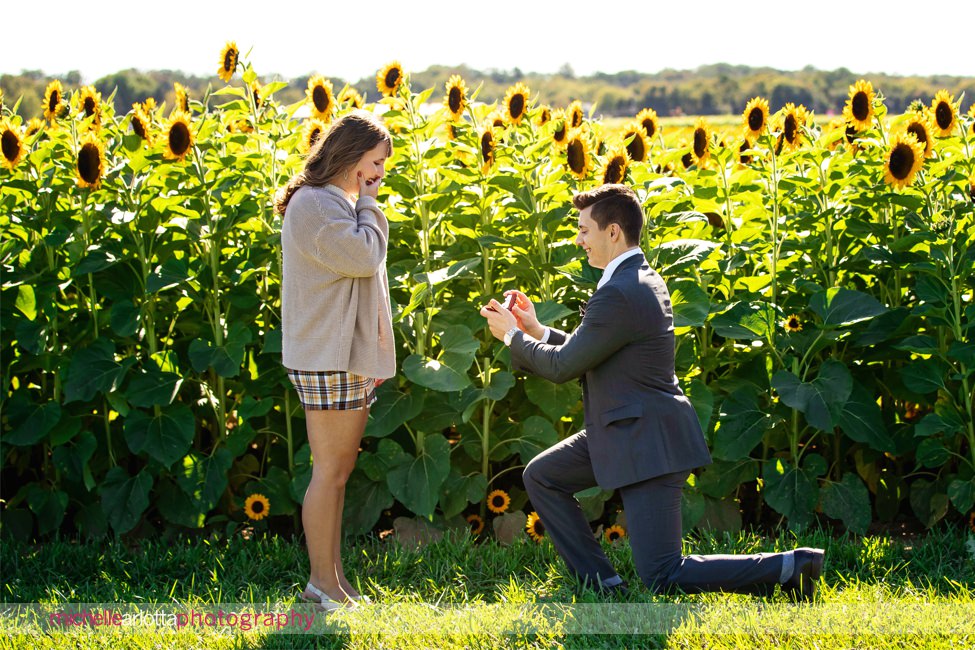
point(336, 390)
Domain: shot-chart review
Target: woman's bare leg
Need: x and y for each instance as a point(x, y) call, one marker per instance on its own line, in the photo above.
point(334, 438)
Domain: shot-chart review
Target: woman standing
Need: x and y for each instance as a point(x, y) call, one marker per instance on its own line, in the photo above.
point(336, 322)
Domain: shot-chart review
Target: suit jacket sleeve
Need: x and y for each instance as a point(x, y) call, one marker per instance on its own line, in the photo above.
point(602, 332)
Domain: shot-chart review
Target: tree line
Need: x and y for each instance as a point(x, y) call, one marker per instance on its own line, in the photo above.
point(719, 89)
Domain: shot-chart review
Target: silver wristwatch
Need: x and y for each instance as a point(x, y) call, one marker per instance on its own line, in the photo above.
point(508, 335)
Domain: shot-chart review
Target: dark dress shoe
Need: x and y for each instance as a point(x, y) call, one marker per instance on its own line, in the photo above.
point(805, 575)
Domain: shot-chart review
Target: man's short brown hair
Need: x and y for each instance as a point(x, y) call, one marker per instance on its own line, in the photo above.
point(614, 203)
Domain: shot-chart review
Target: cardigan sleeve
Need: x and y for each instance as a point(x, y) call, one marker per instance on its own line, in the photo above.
point(346, 241)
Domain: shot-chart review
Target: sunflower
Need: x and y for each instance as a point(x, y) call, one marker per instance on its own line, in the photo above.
point(516, 103)
point(574, 114)
point(614, 533)
point(149, 106)
point(743, 157)
point(91, 161)
point(701, 148)
point(455, 101)
point(179, 136)
point(89, 101)
point(859, 106)
point(912, 411)
point(489, 145)
point(257, 92)
point(319, 93)
point(257, 507)
point(792, 324)
point(793, 120)
point(544, 116)
point(577, 157)
point(496, 120)
point(498, 501)
point(314, 130)
point(34, 126)
point(534, 527)
point(755, 117)
point(903, 160)
point(476, 523)
point(228, 61)
point(637, 145)
point(11, 144)
point(140, 121)
point(388, 79)
point(919, 124)
point(349, 95)
point(614, 171)
point(943, 110)
point(182, 98)
point(53, 101)
point(648, 120)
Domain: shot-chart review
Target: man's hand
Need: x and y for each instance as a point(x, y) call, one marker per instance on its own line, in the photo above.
point(524, 313)
point(499, 319)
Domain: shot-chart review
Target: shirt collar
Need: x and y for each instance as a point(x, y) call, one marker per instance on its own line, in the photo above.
point(614, 264)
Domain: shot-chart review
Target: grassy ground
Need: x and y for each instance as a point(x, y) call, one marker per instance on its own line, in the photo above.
point(877, 592)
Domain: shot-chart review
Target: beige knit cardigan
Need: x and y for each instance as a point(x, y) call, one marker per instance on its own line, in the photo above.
point(335, 304)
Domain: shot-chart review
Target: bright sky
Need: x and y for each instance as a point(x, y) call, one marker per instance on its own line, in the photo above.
point(351, 39)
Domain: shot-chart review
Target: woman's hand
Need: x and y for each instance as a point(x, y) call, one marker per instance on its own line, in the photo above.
point(368, 188)
point(524, 313)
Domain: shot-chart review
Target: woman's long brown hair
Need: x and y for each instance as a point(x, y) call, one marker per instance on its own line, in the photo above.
point(343, 146)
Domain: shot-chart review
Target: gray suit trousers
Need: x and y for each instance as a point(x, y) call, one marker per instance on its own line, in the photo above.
point(653, 519)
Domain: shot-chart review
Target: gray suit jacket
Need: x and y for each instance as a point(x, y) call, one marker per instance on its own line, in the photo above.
point(639, 424)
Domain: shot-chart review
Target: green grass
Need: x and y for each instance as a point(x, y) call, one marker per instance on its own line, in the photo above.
point(877, 592)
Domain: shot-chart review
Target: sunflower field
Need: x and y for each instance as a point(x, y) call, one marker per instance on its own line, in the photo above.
point(821, 275)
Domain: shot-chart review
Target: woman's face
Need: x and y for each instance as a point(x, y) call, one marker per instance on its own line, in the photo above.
point(372, 166)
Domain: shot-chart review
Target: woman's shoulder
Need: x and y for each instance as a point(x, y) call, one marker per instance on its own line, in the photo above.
point(313, 198)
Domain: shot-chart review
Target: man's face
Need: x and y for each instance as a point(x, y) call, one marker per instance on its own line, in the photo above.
point(597, 243)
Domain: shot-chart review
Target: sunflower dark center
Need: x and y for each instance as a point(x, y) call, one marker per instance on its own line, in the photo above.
point(851, 133)
point(559, 132)
point(576, 118)
point(53, 101)
point(319, 97)
point(392, 77)
point(791, 129)
point(861, 106)
point(700, 143)
point(546, 116)
point(919, 132)
point(901, 161)
point(10, 144)
point(89, 164)
point(487, 147)
point(756, 119)
point(794, 323)
point(635, 148)
point(89, 106)
point(741, 151)
point(230, 60)
point(650, 127)
point(576, 156)
point(614, 171)
point(257, 507)
point(314, 135)
point(516, 106)
point(943, 115)
point(179, 138)
point(454, 100)
point(138, 127)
